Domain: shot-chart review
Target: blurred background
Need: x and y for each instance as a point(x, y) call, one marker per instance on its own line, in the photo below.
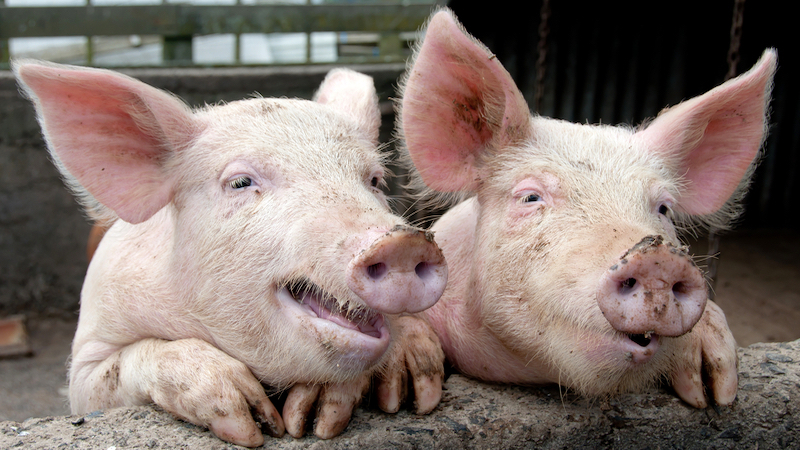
point(582, 61)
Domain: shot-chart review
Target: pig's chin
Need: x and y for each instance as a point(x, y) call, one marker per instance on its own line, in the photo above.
point(312, 301)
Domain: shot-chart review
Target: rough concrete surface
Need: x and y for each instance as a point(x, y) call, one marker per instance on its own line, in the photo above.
point(475, 415)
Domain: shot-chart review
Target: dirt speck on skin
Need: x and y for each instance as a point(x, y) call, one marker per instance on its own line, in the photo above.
point(111, 377)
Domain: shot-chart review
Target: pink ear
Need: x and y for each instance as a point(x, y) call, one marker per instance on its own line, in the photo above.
point(716, 136)
point(110, 133)
point(354, 94)
point(458, 102)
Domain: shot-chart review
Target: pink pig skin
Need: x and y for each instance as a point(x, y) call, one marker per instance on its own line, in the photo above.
point(250, 244)
point(565, 264)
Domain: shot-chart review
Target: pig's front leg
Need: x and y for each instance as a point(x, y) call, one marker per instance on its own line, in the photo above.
point(710, 348)
point(416, 353)
point(190, 378)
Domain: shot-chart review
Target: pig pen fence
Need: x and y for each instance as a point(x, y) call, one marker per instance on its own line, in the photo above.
point(365, 32)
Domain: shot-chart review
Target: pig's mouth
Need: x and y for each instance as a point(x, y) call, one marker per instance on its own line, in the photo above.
point(639, 348)
point(318, 303)
point(642, 339)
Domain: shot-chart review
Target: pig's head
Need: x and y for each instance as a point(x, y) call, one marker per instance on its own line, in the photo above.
point(280, 248)
point(574, 263)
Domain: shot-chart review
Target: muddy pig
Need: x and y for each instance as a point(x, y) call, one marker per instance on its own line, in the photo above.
point(565, 264)
point(251, 243)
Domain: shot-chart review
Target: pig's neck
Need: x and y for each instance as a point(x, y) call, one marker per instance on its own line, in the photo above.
point(114, 280)
point(469, 345)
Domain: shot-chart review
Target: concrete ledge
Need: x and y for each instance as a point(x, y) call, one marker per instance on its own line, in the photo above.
point(475, 415)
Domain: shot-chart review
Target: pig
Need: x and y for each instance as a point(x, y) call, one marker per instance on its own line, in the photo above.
point(251, 243)
point(564, 260)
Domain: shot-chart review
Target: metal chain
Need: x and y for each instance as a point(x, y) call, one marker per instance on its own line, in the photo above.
point(541, 47)
point(736, 37)
point(733, 61)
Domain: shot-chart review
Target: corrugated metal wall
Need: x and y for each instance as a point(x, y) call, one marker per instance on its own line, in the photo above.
point(622, 62)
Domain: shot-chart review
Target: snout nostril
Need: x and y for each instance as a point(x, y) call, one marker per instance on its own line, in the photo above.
point(423, 270)
point(680, 290)
point(627, 285)
point(376, 271)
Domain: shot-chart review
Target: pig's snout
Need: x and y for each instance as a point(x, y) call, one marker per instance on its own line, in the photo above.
point(401, 271)
point(654, 288)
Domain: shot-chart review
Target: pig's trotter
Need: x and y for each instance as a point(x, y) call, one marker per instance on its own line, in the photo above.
point(301, 399)
point(710, 351)
point(198, 383)
point(219, 393)
point(336, 404)
point(418, 354)
point(392, 386)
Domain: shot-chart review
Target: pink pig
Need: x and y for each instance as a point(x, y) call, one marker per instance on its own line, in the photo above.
point(565, 265)
point(251, 244)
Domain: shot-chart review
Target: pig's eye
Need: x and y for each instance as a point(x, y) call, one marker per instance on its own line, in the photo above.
point(374, 182)
point(663, 209)
point(241, 182)
point(530, 198)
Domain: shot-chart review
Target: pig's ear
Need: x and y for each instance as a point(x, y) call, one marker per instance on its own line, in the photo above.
point(108, 134)
point(354, 94)
point(715, 138)
point(458, 103)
